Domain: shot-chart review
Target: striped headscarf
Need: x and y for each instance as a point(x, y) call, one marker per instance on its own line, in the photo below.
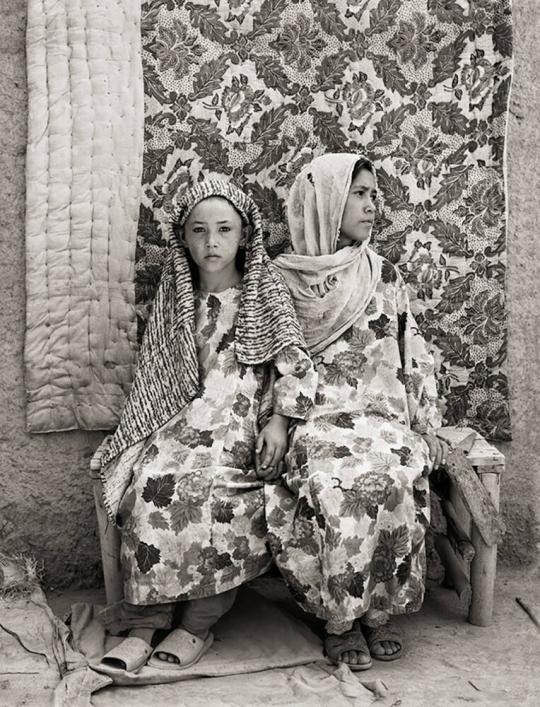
point(167, 375)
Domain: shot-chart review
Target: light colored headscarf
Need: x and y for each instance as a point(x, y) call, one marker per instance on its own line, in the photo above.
point(331, 288)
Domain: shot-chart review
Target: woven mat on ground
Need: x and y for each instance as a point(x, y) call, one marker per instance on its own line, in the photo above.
point(253, 89)
point(254, 636)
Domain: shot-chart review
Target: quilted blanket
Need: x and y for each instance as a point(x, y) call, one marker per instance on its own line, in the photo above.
point(84, 157)
point(253, 89)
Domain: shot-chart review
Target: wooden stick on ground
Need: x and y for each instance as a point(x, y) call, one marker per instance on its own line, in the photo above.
point(530, 613)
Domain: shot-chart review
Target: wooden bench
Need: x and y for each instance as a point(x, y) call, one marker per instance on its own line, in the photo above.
point(486, 459)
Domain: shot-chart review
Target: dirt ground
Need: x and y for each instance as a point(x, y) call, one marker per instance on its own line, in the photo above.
point(447, 660)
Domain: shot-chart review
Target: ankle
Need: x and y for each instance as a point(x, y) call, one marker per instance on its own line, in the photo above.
point(199, 633)
point(373, 618)
point(145, 633)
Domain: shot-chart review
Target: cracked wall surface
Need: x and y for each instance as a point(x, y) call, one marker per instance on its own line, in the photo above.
point(46, 504)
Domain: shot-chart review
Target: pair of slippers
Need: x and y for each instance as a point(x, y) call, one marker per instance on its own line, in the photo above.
point(363, 640)
point(133, 653)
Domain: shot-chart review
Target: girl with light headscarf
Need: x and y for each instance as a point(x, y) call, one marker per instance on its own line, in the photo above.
point(222, 370)
point(347, 522)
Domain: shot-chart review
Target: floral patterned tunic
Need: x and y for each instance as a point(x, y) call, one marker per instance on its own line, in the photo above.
point(347, 521)
point(193, 516)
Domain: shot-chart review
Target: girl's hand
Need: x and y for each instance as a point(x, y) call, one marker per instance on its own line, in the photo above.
point(438, 450)
point(271, 447)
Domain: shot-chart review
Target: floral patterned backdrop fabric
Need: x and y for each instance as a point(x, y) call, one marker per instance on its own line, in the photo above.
point(254, 89)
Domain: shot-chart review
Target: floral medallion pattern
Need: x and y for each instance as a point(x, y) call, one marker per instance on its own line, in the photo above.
point(254, 90)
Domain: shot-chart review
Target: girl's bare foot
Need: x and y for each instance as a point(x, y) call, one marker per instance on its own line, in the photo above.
point(349, 648)
point(385, 642)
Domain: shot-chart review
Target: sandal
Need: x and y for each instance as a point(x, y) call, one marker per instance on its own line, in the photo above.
point(352, 640)
point(129, 655)
point(386, 632)
point(183, 645)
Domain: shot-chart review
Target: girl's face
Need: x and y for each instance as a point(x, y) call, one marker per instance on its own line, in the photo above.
point(359, 212)
point(213, 233)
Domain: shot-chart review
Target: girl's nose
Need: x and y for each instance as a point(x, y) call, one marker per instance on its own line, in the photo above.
point(211, 239)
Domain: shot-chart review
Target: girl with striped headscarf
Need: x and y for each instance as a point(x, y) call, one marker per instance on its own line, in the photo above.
point(222, 370)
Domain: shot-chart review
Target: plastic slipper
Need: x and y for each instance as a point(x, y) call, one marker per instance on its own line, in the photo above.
point(184, 646)
point(386, 632)
point(352, 640)
point(130, 655)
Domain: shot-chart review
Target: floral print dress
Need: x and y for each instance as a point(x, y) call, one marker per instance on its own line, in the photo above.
point(193, 520)
point(347, 523)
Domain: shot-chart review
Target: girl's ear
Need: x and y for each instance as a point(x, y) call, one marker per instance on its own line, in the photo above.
point(179, 230)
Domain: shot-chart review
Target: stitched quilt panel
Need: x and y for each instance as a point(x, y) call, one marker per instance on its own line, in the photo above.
point(84, 163)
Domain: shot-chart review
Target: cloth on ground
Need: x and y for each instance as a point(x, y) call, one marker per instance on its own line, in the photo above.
point(35, 654)
point(313, 685)
point(283, 657)
point(39, 666)
point(254, 635)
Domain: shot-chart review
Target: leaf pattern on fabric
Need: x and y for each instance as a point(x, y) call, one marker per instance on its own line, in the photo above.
point(159, 490)
point(355, 493)
point(147, 556)
point(158, 521)
point(194, 520)
point(254, 91)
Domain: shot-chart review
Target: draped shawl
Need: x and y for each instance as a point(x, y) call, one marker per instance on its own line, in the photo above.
point(331, 288)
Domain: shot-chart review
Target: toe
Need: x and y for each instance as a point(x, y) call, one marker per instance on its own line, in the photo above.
point(363, 659)
point(389, 647)
point(378, 649)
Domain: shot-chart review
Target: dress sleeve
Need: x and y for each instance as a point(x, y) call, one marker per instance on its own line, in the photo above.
point(295, 383)
point(418, 369)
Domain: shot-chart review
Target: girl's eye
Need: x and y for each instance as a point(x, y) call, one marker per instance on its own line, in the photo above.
point(198, 229)
point(225, 228)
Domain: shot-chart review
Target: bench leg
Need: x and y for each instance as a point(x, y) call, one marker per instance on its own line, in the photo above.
point(109, 539)
point(484, 564)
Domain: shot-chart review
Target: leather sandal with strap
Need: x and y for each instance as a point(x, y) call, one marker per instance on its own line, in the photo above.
point(352, 640)
point(379, 634)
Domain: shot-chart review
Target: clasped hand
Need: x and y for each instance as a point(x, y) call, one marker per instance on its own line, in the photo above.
point(271, 447)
